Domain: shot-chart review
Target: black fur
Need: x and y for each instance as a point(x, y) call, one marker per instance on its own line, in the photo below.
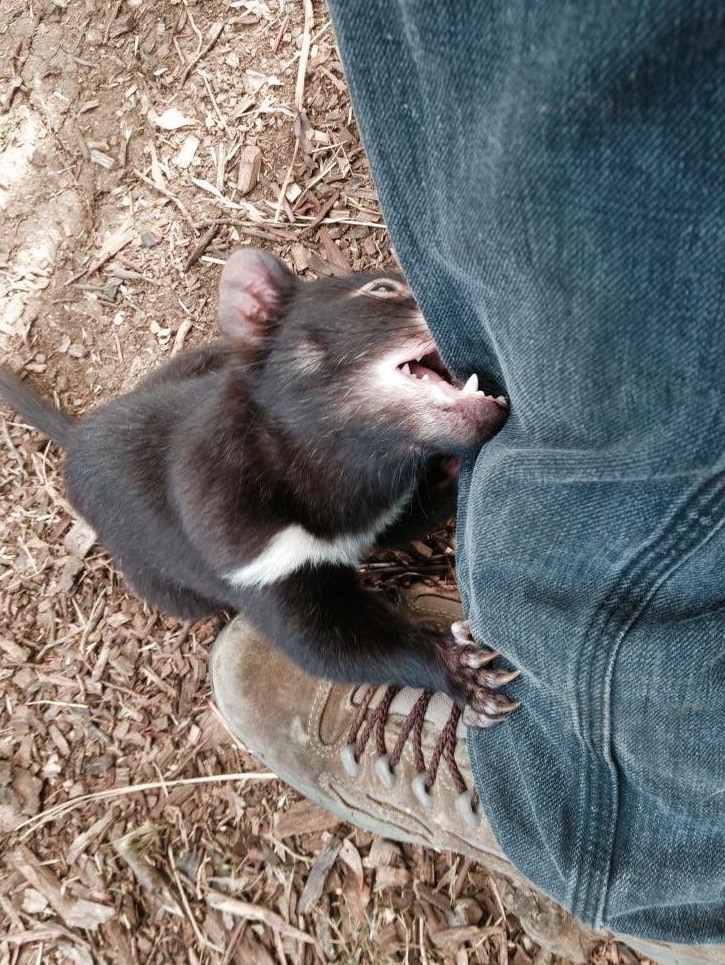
point(284, 420)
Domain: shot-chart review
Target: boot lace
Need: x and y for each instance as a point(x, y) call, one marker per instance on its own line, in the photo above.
point(369, 725)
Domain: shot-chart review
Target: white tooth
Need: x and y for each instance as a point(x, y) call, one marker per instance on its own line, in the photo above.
point(424, 378)
point(406, 369)
point(471, 386)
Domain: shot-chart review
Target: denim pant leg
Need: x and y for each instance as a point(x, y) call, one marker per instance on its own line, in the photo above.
point(553, 177)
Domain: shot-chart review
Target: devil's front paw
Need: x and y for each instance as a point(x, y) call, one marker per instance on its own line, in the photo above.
point(473, 681)
point(444, 472)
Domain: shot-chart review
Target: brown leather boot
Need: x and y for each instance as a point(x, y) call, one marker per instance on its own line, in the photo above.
point(392, 761)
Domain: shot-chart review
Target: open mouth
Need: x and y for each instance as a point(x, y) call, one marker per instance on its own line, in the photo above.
point(427, 366)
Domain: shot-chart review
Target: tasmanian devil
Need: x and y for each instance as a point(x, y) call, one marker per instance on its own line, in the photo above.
point(254, 472)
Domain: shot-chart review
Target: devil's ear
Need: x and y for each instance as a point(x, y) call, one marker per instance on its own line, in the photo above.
point(253, 290)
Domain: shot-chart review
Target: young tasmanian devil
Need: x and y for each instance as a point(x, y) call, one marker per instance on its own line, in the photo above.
point(254, 472)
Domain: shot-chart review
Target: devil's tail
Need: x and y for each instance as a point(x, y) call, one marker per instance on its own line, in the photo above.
point(36, 410)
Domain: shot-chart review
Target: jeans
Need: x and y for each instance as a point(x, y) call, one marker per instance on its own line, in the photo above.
point(553, 178)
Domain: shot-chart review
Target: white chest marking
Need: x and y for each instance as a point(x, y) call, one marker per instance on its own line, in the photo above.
point(294, 547)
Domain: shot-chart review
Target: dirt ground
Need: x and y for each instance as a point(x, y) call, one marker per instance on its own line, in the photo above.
point(141, 141)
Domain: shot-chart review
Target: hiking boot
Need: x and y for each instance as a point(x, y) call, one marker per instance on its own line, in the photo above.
point(390, 760)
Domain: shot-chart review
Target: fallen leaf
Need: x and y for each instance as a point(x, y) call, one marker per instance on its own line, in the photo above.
point(315, 884)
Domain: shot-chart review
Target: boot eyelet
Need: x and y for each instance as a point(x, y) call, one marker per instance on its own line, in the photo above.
point(422, 792)
point(349, 761)
point(466, 809)
point(385, 773)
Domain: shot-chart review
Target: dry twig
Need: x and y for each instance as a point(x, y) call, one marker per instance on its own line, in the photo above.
point(33, 824)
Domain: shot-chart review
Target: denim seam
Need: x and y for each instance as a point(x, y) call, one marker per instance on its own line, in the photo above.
point(691, 526)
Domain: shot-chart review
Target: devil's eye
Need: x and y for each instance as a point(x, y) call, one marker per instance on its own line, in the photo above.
point(385, 288)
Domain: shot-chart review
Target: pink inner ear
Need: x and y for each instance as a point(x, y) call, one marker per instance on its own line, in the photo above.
point(251, 293)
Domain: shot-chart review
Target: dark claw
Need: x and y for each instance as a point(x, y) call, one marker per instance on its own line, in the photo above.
point(470, 678)
point(492, 704)
point(497, 678)
point(472, 718)
point(479, 658)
